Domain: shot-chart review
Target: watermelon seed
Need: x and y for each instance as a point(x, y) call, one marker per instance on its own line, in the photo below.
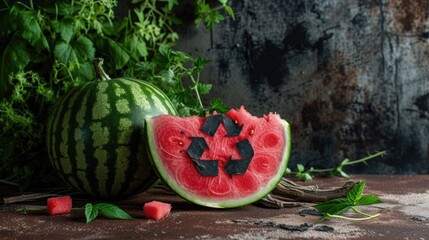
point(252, 132)
point(235, 121)
point(182, 132)
point(180, 143)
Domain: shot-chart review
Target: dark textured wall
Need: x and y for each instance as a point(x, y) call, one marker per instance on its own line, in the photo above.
point(350, 76)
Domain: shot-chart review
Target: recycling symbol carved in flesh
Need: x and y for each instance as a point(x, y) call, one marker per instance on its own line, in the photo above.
point(209, 167)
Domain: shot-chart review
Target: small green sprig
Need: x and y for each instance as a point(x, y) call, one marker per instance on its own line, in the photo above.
point(307, 174)
point(92, 211)
point(211, 16)
point(336, 207)
point(106, 209)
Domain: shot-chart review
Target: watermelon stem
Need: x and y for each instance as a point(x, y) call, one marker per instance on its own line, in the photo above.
point(98, 63)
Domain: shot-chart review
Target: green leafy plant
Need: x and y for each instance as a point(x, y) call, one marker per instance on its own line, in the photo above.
point(335, 208)
point(49, 48)
point(178, 75)
point(307, 174)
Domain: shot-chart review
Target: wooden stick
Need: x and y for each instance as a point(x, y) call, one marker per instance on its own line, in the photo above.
point(289, 194)
point(26, 198)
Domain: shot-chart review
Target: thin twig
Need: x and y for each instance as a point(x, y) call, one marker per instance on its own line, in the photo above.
point(26, 198)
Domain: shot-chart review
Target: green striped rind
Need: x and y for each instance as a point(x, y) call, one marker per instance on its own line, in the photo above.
point(225, 203)
point(95, 136)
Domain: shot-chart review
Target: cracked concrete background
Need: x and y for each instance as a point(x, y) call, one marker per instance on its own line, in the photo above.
point(350, 76)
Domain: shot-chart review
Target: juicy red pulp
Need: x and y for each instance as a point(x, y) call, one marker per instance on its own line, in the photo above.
point(265, 135)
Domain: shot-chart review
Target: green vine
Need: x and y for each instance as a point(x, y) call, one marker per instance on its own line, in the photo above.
point(307, 174)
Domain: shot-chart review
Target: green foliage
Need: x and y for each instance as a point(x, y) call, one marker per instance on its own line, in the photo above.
point(336, 207)
point(49, 48)
point(178, 75)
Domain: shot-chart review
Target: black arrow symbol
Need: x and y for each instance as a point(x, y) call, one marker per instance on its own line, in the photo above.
point(197, 147)
point(212, 123)
point(231, 127)
point(239, 166)
point(195, 150)
point(207, 167)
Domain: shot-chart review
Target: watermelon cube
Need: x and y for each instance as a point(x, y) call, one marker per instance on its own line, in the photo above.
point(156, 210)
point(59, 205)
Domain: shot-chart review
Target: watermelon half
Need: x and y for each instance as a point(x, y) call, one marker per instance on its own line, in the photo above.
point(222, 160)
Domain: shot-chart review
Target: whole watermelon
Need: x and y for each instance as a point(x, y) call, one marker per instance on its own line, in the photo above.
point(95, 135)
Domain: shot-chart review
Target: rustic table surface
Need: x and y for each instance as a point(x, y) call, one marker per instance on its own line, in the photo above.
point(404, 215)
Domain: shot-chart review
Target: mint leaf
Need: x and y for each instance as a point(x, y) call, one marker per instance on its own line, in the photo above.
point(368, 200)
point(334, 206)
point(112, 211)
point(107, 209)
point(355, 194)
point(90, 212)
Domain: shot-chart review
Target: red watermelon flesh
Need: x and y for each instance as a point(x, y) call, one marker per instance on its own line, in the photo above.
point(59, 205)
point(156, 210)
point(248, 155)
